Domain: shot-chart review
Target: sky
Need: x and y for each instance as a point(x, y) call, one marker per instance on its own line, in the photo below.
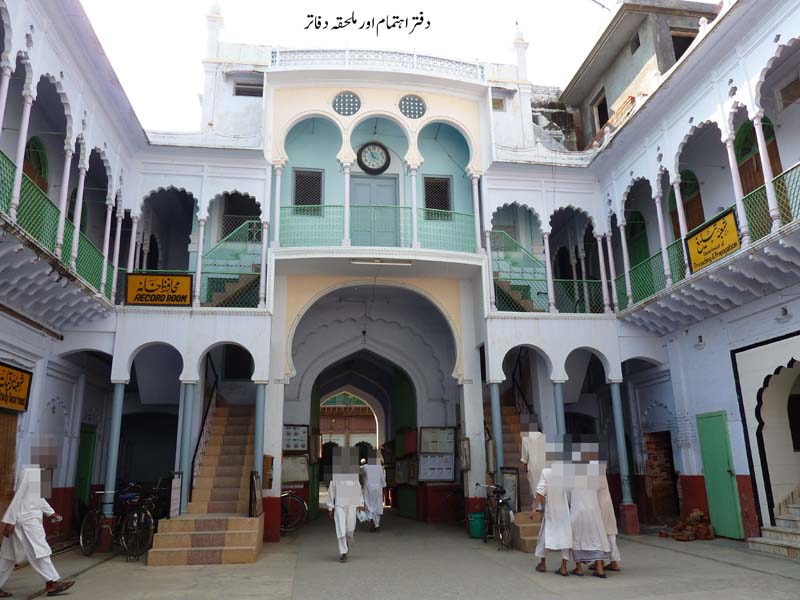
point(156, 46)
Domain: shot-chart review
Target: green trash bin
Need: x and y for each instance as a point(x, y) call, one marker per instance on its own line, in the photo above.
point(477, 525)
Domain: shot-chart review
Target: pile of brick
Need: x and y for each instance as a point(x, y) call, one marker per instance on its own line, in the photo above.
point(696, 527)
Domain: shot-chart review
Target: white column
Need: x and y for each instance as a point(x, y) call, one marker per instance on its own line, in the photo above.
point(146, 239)
point(489, 270)
point(662, 234)
point(603, 279)
point(626, 262)
point(414, 230)
point(132, 244)
point(676, 185)
point(346, 170)
point(62, 201)
point(20, 158)
point(276, 225)
point(738, 191)
point(476, 208)
point(551, 292)
point(76, 218)
point(106, 240)
point(198, 271)
point(115, 263)
point(766, 168)
point(5, 77)
point(612, 269)
point(587, 305)
point(262, 284)
point(137, 265)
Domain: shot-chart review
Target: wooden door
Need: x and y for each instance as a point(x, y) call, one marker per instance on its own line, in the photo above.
point(8, 445)
point(373, 211)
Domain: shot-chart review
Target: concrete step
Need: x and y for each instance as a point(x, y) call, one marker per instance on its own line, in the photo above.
point(207, 483)
point(235, 410)
point(205, 539)
point(222, 506)
point(214, 470)
point(232, 420)
point(776, 547)
point(789, 521)
point(525, 532)
point(794, 509)
point(228, 449)
point(223, 439)
point(214, 555)
point(232, 460)
point(787, 534)
point(217, 494)
point(202, 523)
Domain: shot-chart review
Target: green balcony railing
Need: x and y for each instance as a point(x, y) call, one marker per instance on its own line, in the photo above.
point(787, 188)
point(231, 290)
point(380, 225)
point(109, 280)
point(245, 239)
point(756, 209)
point(647, 278)
point(446, 230)
point(7, 169)
point(578, 295)
point(89, 263)
point(319, 225)
point(519, 277)
point(622, 292)
point(677, 262)
point(37, 214)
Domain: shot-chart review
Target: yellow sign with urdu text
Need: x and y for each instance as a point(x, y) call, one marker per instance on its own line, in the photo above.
point(15, 387)
point(145, 289)
point(713, 241)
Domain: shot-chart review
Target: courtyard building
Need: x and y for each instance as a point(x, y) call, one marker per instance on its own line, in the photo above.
point(410, 254)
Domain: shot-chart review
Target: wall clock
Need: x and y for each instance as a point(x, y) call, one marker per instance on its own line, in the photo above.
point(373, 158)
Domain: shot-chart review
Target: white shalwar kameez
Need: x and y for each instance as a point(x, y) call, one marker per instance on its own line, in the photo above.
point(555, 532)
point(28, 542)
point(589, 537)
point(374, 482)
point(609, 518)
point(534, 457)
point(344, 497)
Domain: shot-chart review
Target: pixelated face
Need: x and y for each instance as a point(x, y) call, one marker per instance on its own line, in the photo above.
point(345, 461)
point(372, 457)
point(527, 425)
point(44, 451)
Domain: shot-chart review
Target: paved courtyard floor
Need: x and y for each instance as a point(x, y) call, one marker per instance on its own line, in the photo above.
point(413, 560)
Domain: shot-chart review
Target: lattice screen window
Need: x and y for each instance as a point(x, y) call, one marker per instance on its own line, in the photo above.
point(307, 192)
point(412, 106)
point(438, 200)
point(346, 103)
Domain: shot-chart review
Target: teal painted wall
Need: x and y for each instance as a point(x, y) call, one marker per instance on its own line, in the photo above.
point(314, 144)
point(446, 153)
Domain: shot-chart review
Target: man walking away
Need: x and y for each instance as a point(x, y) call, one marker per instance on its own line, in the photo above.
point(556, 529)
point(374, 483)
point(24, 537)
point(589, 537)
point(344, 497)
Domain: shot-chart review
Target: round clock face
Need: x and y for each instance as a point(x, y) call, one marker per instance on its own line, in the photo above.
point(373, 158)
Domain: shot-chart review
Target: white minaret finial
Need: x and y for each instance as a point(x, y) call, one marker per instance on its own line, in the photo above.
point(521, 48)
point(215, 23)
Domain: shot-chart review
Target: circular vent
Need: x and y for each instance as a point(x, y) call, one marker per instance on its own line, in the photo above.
point(346, 103)
point(412, 106)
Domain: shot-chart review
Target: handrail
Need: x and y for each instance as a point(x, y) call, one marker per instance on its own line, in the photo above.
point(205, 427)
point(519, 396)
point(506, 238)
point(227, 238)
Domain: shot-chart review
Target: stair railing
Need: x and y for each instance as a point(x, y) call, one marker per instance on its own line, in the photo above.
point(205, 431)
point(520, 398)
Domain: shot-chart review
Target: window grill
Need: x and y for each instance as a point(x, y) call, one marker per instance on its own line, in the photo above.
point(308, 191)
point(255, 90)
point(412, 106)
point(438, 201)
point(346, 103)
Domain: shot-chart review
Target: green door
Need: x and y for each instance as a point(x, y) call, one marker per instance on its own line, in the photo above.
point(723, 496)
point(642, 284)
point(374, 211)
point(83, 471)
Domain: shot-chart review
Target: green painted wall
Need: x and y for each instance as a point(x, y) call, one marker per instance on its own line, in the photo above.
point(313, 483)
point(405, 404)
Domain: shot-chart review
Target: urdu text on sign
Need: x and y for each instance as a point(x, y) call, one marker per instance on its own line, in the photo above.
point(713, 241)
point(15, 387)
point(159, 290)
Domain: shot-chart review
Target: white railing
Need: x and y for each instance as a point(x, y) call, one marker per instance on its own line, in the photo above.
point(387, 60)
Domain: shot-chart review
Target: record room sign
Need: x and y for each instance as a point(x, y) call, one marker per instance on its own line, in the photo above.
point(15, 387)
point(163, 289)
point(713, 241)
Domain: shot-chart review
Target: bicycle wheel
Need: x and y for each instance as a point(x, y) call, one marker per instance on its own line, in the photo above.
point(503, 527)
point(136, 537)
point(91, 528)
point(488, 520)
point(293, 513)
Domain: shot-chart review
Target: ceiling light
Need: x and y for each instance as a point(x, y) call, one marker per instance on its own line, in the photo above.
point(380, 262)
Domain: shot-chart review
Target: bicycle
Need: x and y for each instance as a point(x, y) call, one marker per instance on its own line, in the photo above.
point(498, 515)
point(453, 504)
point(134, 526)
point(294, 511)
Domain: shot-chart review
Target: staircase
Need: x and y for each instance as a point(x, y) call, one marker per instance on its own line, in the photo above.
point(235, 289)
point(519, 276)
point(784, 538)
point(231, 268)
point(216, 528)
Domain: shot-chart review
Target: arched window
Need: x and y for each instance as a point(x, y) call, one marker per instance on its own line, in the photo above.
point(746, 147)
point(35, 164)
point(692, 203)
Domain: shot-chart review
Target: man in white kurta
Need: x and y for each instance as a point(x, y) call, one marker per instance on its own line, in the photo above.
point(24, 537)
point(609, 522)
point(374, 483)
point(589, 537)
point(556, 530)
point(533, 456)
point(344, 498)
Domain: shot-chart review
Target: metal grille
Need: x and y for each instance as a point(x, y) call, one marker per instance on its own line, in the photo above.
point(346, 103)
point(307, 188)
point(412, 106)
point(437, 195)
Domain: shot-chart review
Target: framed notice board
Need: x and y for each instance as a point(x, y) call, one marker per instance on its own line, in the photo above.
point(437, 440)
point(437, 467)
point(295, 438)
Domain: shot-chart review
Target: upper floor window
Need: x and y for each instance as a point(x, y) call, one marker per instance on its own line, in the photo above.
point(346, 103)
point(307, 191)
point(412, 106)
point(634, 43)
point(600, 107)
point(438, 198)
point(249, 88)
point(681, 40)
point(499, 104)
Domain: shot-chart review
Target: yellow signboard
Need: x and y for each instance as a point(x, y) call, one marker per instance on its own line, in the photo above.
point(145, 289)
point(713, 241)
point(15, 387)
